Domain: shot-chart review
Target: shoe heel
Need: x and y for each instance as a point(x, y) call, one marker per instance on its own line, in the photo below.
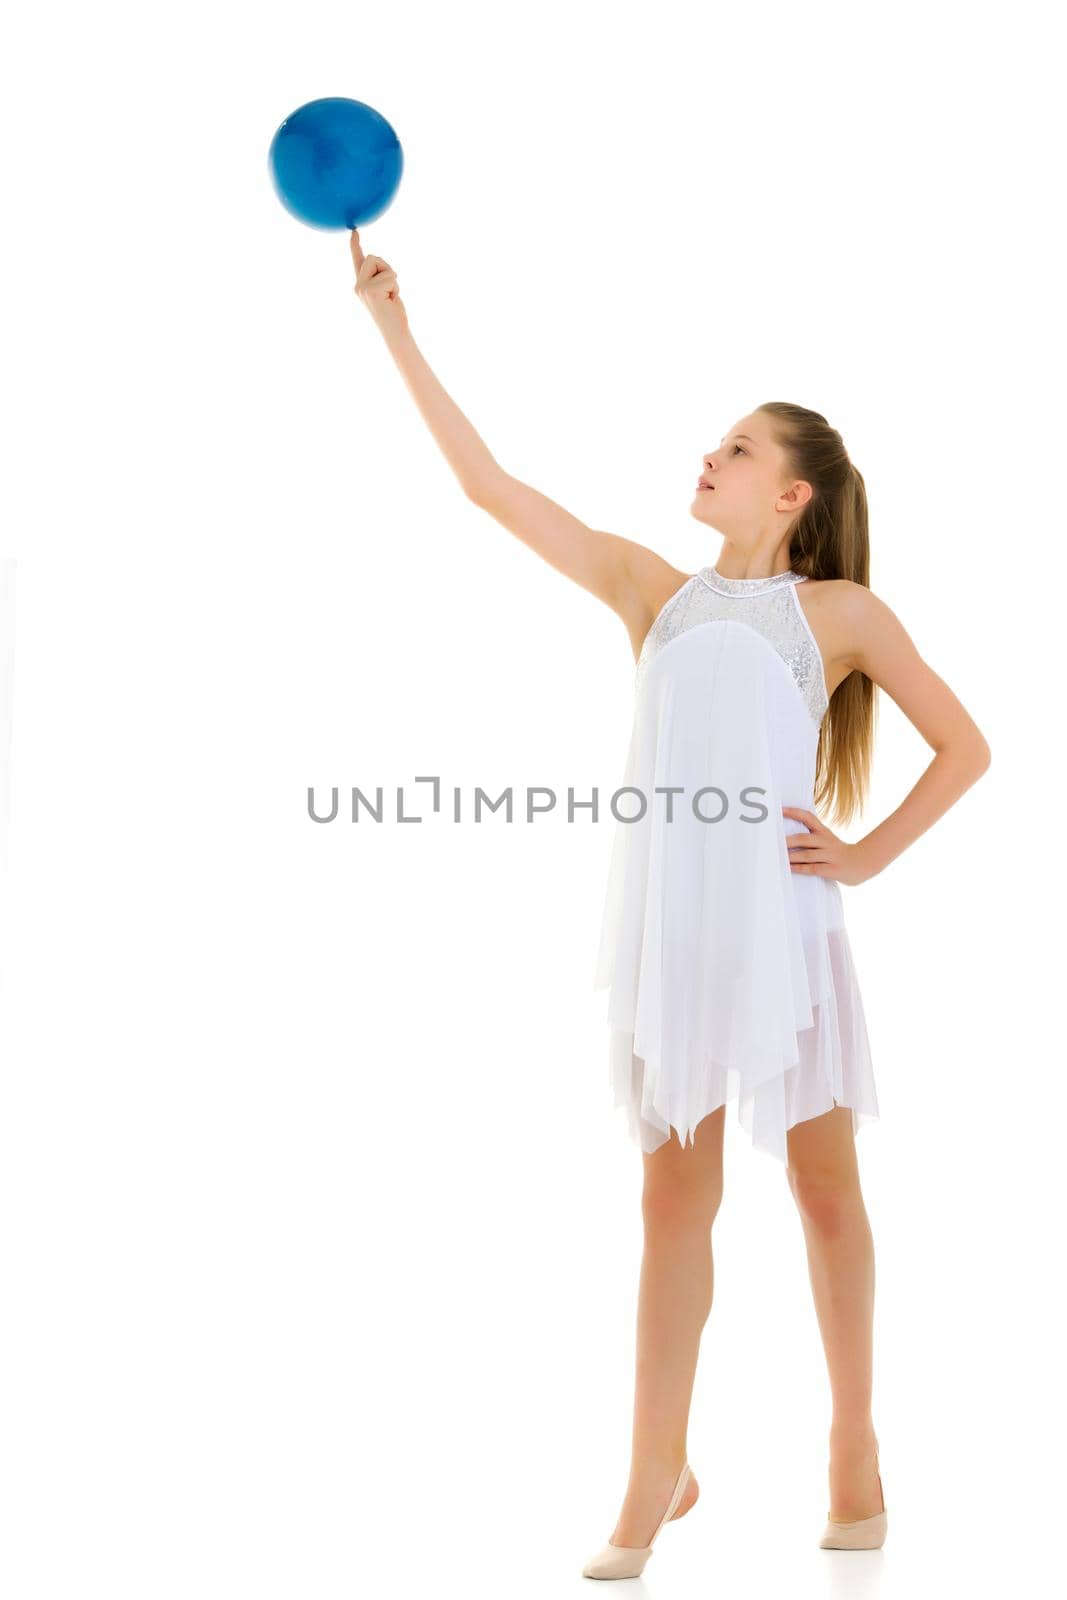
point(866, 1534)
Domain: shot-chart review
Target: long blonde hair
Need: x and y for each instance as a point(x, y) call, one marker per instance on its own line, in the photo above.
point(830, 540)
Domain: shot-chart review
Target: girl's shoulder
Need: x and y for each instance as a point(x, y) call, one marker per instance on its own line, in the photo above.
point(840, 609)
point(840, 596)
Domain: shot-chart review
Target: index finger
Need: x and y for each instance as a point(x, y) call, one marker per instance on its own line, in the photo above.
point(807, 817)
point(357, 252)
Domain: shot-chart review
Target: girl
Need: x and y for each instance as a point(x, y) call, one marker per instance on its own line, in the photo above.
point(723, 943)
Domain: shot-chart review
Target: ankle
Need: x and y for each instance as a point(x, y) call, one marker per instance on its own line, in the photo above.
point(663, 1461)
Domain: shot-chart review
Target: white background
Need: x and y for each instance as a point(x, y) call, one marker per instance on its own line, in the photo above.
point(320, 1236)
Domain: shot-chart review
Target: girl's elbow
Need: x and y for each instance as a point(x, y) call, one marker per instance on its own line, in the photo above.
point(970, 754)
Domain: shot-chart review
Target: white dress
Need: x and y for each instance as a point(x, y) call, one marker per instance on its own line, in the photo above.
point(728, 974)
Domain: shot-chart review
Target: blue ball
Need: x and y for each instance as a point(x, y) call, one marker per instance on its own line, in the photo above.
point(335, 163)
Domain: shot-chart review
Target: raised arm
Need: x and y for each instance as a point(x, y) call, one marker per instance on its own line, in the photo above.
point(626, 575)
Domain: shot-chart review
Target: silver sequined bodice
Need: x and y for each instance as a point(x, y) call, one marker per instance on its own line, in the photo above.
point(769, 605)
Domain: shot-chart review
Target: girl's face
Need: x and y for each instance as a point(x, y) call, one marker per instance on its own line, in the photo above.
point(750, 494)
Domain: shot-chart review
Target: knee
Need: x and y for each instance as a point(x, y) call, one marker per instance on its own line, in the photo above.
point(829, 1202)
point(678, 1202)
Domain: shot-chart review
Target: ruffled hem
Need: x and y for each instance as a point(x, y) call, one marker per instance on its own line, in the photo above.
point(832, 1066)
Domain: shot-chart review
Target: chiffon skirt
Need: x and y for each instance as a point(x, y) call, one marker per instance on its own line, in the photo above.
point(729, 975)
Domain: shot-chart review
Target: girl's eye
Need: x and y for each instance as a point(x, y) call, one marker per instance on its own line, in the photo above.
point(738, 447)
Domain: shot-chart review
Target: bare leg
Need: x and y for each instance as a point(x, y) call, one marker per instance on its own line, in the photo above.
point(824, 1179)
point(682, 1193)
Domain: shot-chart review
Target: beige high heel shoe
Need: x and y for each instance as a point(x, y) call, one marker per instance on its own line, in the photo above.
point(627, 1561)
point(866, 1534)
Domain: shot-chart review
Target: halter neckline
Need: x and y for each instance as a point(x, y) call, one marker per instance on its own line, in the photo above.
point(723, 585)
